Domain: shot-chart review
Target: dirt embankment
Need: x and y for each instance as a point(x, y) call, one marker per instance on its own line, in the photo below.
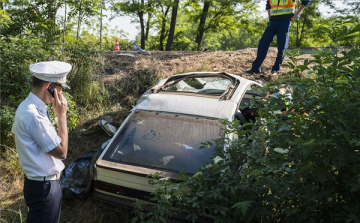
point(167, 63)
point(126, 69)
point(126, 74)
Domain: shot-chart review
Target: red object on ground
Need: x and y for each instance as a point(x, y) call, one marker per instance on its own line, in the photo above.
point(117, 45)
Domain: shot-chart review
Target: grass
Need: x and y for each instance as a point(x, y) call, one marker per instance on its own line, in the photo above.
point(12, 206)
point(93, 211)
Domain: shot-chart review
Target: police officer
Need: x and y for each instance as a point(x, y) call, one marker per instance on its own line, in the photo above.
point(281, 13)
point(39, 145)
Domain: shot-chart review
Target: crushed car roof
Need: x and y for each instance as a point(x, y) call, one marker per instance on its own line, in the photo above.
point(201, 102)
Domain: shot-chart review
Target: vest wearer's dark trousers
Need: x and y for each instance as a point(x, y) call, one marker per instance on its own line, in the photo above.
point(281, 30)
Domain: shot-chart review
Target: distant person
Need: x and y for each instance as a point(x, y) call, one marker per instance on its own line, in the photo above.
point(281, 13)
point(40, 147)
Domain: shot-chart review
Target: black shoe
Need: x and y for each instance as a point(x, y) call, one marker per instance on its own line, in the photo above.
point(251, 72)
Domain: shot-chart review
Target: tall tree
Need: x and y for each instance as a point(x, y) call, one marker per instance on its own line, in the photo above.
point(218, 16)
point(83, 11)
point(150, 12)
point(79, 20)
point(51, 8)
point(202, 21)
point(138, 10)
point(64, 27)
point(164, 8)
point(36, 17)
point(309, 17)
point(140, 13)
point(172, 25)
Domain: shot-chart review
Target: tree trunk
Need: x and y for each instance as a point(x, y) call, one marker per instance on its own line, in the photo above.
point(142, 29)
point(201, 28)
point(172, 25)
point(79, 22)
point(297, 33)
point(102, 5)
point(162, 36)
point(149, 5)
point(163, 29)
point(148, 26)
point(51, 10)
point(64, 31)
point(142, 25)
point(301, 33)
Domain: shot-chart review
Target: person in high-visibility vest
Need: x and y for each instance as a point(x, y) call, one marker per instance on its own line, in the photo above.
point(281, 13)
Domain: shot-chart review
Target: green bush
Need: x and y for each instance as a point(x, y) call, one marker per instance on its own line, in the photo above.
point(6, 119)
point(16, 80)
point(85, 88)
point(16, 57)
point(300, 165)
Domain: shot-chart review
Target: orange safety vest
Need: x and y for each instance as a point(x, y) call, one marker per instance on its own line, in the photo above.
point(282, 7)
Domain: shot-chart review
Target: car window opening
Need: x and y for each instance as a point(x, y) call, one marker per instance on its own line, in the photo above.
point(203, 85)
point(249, 113)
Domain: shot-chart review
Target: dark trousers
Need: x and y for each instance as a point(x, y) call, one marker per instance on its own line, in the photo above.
point(281, 30)
point(44, 201)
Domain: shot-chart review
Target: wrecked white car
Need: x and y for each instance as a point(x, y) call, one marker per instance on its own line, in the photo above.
point(164, 131)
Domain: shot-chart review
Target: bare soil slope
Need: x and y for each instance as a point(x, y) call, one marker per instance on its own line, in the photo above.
point(169, 62)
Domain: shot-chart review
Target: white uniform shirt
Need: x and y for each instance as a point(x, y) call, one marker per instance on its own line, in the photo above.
point(35, 136)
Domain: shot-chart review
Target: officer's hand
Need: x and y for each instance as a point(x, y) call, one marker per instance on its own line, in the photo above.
point(59, 104)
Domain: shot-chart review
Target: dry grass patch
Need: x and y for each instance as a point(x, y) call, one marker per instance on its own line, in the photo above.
point(12, 206)
point(92, 211)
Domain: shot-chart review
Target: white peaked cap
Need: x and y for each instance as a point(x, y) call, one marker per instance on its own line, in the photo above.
point(51, 71)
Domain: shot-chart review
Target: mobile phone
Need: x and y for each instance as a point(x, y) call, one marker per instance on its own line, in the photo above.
point(51, 89)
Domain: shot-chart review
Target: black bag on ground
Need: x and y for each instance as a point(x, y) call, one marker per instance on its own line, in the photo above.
point(77, 177)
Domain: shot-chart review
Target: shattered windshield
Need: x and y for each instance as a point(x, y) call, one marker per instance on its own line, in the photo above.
point(165, 141)
point(204, 85)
